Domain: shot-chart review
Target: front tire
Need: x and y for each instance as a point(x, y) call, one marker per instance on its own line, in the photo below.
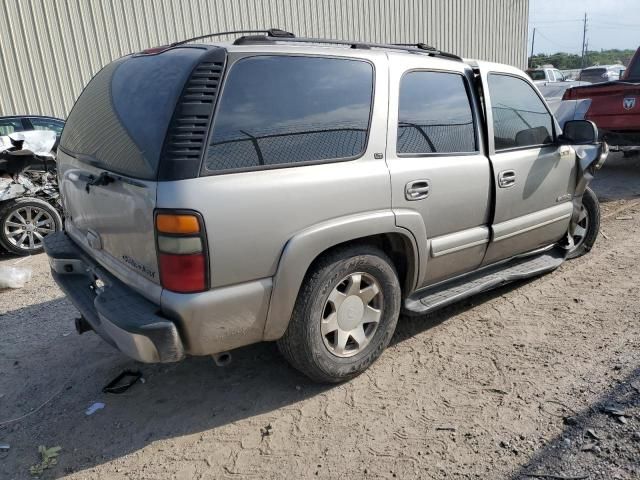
point(588, 226)
point(345, 315)
point(25, 222)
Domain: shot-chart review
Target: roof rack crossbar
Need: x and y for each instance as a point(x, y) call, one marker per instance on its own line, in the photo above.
point(409, 47)
point(270, 33)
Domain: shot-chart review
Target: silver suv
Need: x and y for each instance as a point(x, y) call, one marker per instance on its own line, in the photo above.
point(307, 191)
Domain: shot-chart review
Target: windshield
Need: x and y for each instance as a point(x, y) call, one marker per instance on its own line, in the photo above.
point(536, 74)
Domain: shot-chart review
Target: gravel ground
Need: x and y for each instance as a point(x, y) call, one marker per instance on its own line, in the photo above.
point(515, 382)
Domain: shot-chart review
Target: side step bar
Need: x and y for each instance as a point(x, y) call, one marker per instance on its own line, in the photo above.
point(441, 295)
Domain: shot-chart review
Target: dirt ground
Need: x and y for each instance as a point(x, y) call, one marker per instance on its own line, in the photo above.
point(509, 384)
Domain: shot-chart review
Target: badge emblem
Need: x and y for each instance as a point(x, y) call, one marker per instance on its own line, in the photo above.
point(629, 102)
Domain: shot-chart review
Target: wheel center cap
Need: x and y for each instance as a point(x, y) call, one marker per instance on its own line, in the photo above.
point(350, 313)
point(29, 227)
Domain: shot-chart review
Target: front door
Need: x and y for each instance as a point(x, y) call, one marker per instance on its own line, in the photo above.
point(534, 176)
point(440, 175)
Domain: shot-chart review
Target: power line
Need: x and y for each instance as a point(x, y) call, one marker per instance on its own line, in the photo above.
point(553, 41)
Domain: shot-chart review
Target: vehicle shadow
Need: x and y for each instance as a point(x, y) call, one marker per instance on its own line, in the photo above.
point(43, 360)
point(594, 444)
point(618, 179)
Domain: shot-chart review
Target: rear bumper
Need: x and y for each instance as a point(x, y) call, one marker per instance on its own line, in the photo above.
point(122, 317)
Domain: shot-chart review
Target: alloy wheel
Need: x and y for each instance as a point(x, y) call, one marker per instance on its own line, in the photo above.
point(582, 227)
point(351, 314)
point(26, 227)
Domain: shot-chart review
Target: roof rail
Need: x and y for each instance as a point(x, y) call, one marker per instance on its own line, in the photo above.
point(270, 33)
point(406, 47)
point(429, 49)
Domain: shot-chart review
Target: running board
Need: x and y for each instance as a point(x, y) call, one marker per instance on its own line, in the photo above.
point(446, 293)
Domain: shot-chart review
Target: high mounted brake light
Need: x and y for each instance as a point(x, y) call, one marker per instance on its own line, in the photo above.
point(155, 50)
point(182, 253)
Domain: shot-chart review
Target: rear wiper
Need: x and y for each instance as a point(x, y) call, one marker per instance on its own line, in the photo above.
point(104, 179)
point(101, 180)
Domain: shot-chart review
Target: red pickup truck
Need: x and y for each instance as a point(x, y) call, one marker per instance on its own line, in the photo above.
point(613, 106)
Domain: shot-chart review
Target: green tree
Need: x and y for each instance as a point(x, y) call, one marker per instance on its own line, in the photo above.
point(570, 61)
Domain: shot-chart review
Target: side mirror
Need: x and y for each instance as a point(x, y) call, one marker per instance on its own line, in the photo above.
point(579, 132)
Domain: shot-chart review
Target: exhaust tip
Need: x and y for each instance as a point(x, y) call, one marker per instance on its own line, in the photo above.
point(222, 359)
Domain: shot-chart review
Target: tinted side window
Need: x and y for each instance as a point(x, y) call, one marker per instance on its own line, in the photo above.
point(520, 118)
point(10, 125)
point(46, 124)
point(278, 110)
point(434, 114)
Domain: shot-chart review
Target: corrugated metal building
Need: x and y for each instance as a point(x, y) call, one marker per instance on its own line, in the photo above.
point(49, 49)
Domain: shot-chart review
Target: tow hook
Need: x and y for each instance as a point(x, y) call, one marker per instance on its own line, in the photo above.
point(82, 325)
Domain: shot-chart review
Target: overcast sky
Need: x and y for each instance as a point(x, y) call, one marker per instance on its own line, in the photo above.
point(558, 23)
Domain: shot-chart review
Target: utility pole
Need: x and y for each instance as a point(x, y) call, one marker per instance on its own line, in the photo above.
point(586, 52)
point(584, 38)
point(533, 41)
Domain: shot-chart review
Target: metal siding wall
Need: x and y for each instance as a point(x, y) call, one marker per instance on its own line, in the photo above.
point(49, 49)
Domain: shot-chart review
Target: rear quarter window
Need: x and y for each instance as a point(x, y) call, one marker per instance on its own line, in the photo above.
point(278, 111)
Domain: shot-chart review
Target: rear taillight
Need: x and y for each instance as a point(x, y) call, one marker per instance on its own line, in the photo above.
point(182, 258)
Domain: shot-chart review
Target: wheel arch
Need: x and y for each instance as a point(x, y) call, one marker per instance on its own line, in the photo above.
point(305, 248)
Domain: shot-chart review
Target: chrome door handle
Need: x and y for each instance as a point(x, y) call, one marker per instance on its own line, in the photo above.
point(417, 190)
point(507, 178)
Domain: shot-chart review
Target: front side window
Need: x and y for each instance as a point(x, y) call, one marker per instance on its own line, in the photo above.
point(284, 110)
point(520, 118)
point(434, 114)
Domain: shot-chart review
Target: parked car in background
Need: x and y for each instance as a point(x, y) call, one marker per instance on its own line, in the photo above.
point(614, 106)
point(306, 191)
point(30, 207)
point(601, 73)
point(545, 74)
point(25, 123)
point(552, 84)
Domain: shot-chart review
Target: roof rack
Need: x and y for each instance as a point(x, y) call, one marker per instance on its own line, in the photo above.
point(270, 33)
point(429, 49)
point(407, 47)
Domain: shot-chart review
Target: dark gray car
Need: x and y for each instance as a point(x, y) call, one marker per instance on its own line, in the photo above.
point(601, 73)
point(307, 191)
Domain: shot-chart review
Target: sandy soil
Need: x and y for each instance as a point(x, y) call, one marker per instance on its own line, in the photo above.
point(479, 390)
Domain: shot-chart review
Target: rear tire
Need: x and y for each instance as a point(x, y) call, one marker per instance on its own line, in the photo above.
point(340, 325)
point(25, 222)
point(588, 225)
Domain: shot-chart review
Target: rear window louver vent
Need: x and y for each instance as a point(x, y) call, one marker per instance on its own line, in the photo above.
point(187, 135)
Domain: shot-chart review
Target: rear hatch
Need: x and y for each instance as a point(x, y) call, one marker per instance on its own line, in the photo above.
point(141, 119)
point(614, 105)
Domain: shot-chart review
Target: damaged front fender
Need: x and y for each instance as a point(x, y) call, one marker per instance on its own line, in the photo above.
point(589, 159)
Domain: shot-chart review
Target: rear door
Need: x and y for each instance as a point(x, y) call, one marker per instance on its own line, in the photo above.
point(534, 177)
point(439, 171)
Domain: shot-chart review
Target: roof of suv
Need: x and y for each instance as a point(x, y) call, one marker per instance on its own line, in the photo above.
point(323, 48)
